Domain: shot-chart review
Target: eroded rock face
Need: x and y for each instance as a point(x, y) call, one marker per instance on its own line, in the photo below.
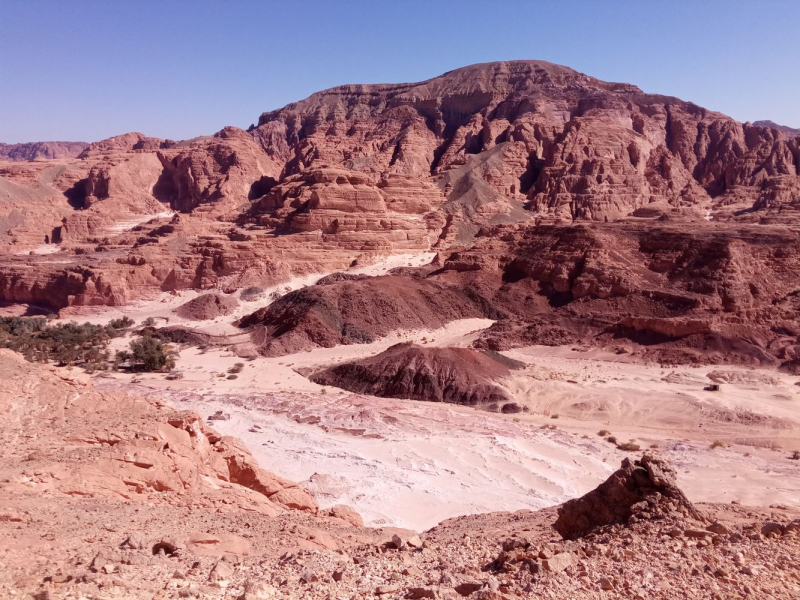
point(122, 446)
point(457, 375)
point(351, 209)
point(569, 144)
point(216, 173)
point(355, 172)
point(642, 489)
point(711, 293)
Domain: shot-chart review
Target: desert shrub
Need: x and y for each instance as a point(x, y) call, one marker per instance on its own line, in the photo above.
point(122, 323)
point(148, 322)
point(603, 432)
point(16, 326)
point(232, 376)
point(237, 368)
point(554, 416)
point(251, 293)
point(148, 354)
point(629, 447)
point(611, 439)
point(795, 455)
point(717, 444)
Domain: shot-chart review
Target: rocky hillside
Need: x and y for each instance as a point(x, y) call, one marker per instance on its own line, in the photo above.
point(359, 171)
point(117, 496)
point(657, 289)
point(499, 136)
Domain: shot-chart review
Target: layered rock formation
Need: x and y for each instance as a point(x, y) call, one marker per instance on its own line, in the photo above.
point(397, 212)
point(457, 375)
point(354, 172)
point(720, 293)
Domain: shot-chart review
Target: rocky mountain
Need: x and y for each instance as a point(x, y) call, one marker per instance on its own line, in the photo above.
point(773, 125)
point(41, 150)
point(360, 171)
point(498, 136)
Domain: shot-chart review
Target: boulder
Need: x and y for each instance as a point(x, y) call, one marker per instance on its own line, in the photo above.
point(644, 488)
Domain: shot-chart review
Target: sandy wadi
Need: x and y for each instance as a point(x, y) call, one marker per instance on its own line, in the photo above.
point(410, 463)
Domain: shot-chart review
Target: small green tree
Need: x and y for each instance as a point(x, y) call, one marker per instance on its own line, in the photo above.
point(150, 354)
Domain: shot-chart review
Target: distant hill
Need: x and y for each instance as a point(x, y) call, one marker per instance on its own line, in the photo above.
point(36, 150)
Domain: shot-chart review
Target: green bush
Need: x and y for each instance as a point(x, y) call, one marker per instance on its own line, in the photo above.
point(629, 447)
point(64, 344)
point(122, 323)
point(148, 354)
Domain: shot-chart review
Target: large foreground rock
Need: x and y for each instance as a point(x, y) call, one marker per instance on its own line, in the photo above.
point(644, 489)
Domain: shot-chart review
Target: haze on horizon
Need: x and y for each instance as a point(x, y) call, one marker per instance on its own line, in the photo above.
point(89, 70)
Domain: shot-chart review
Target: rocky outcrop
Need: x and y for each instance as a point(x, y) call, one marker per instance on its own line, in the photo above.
point(41, 150)
point(457, 375)
point(207, 306)
point(217, 173)
point(708, 293)
point(670, 327)
point(790, 131)
point(355, 312)
point(350, 209)
point(685, 294)
point(125, 447)
point(642, 489)
point(127, 142)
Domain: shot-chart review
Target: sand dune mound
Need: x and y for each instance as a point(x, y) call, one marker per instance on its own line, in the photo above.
point(457, 375)
point(207, 306)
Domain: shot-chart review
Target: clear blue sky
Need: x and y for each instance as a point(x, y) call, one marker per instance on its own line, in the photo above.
point(86, 70)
